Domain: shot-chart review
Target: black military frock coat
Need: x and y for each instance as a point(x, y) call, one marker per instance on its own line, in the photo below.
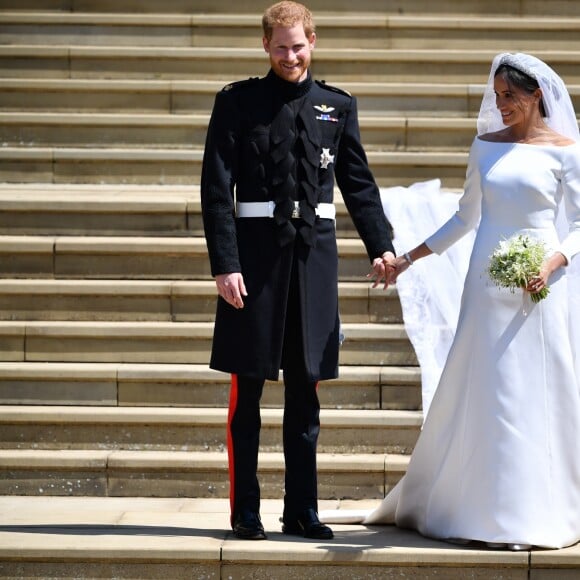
point(269, 139)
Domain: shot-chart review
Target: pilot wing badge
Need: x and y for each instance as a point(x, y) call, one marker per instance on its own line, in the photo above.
point(325, 115)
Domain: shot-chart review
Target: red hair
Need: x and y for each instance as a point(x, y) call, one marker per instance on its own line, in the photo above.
point(287, 14)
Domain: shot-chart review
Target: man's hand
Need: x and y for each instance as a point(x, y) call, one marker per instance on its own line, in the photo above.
point(383, 269)
point(231, 288)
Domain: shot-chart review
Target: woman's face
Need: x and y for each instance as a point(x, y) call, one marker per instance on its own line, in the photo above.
point(515, 105)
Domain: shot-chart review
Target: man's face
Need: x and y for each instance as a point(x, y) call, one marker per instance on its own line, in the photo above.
point(290, 52)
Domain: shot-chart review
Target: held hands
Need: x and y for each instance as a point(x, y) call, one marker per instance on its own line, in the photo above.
point(388, 268)
point(383, 268)
point(231, 288)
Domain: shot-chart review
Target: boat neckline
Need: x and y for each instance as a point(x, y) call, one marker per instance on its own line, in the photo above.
point(527, 144)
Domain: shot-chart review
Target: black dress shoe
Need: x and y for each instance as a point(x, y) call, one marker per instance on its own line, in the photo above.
point(248, 526)
point(306, 525)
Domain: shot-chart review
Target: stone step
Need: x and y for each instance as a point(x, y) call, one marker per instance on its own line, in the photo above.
point(117, 210)
point(415, 7)
point(176, 343)
point(178, 538)
point(179, 97)
point(381, 133)
point(195, 429)
point(197, 96)
point(101, 210)
point(155, 97)
point(193, 385)
point(126, 257)
point(176, 301)
point(336, 65)
point(112, 300)
point(103, 257)
point(174, 167)
point(333, 30)
point(200, 474)
point(103, 130)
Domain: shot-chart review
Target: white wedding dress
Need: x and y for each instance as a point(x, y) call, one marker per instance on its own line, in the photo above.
point(498, 459)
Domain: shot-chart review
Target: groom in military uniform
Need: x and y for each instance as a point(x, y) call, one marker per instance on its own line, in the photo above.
point(275, 147)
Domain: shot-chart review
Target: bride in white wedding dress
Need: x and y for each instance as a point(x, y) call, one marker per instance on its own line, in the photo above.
point(498, 459)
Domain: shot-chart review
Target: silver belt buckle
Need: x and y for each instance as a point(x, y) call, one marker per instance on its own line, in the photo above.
point(296, 211)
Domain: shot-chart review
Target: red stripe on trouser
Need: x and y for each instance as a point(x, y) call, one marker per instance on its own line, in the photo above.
point(230, 441)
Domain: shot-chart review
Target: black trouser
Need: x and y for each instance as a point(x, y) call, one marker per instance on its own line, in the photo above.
point(301, 426)
point(300, 435)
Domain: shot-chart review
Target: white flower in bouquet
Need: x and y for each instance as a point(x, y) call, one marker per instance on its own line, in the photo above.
point(515, 261)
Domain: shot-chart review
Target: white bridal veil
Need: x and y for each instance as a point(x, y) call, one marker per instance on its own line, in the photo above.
point(430, 291)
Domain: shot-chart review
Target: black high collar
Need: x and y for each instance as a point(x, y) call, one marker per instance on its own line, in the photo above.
point(286, 90)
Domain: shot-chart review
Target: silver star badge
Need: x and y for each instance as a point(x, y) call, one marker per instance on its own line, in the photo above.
point(326, 158)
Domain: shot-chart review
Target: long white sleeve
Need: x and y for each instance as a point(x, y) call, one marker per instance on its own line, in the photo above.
point(571, 193)
point(467, 216)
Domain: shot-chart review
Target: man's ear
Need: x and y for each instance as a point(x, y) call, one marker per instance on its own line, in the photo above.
point(266, 44)
point(312, 40)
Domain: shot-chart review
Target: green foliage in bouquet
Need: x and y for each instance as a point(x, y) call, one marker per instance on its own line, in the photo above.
point(515, 261)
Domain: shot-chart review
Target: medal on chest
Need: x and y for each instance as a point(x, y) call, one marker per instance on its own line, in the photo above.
point(326, 158)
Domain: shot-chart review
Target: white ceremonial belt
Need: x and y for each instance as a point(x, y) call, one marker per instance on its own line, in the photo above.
point(255, 209)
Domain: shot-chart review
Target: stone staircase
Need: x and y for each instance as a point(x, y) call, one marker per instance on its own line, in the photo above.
point(106, 301)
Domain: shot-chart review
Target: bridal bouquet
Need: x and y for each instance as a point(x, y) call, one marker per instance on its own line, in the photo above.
point(515, 261)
